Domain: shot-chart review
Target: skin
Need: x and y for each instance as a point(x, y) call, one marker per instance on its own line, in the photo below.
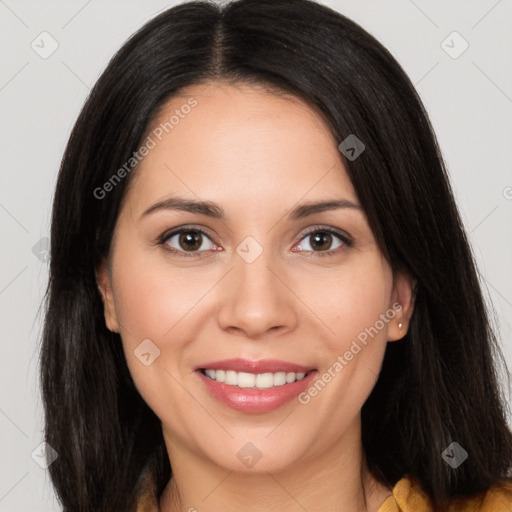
point(257, 155)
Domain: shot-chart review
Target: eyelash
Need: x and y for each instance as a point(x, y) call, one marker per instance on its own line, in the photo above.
point(347, 241)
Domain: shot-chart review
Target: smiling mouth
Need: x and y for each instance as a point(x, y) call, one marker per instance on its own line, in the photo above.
point(254, 380)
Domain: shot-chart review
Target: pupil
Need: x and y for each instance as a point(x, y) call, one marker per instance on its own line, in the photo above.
point(190, 240)
point(322, 237)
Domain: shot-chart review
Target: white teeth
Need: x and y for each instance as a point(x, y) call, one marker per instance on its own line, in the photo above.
point(251, 380)
point(279, 378)
point(230, 378)
point(244, 380)
point(265, 380)
point(210, 373)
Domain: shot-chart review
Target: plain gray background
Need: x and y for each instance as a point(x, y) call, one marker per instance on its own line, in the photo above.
point(468, 97)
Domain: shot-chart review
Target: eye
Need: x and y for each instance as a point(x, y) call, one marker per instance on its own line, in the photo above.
point(191, 241)
point(187, 240)
point(321, 241)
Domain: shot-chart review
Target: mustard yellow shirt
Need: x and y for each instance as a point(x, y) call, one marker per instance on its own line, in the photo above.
point(405, 497)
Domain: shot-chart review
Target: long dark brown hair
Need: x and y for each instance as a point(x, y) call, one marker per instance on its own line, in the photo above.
point(438, 385)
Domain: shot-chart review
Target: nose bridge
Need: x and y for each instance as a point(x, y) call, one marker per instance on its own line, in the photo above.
point(254, 300)
point(252, 269)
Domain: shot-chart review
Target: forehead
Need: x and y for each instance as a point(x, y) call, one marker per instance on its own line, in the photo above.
point(239, 143)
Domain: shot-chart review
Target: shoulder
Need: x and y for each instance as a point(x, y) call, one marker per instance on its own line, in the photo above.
point(408, 496)
point(498, 498)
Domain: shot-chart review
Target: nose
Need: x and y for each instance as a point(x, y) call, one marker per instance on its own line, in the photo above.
point(256, 299)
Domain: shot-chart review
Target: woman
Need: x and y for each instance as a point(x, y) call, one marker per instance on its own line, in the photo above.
point(261, 294)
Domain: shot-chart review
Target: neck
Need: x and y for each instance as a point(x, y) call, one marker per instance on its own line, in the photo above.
point(336, 480)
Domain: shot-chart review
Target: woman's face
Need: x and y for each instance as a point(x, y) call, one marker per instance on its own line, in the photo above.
point(271, 280)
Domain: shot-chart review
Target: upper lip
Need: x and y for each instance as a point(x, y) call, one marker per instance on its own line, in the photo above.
point(261, 366)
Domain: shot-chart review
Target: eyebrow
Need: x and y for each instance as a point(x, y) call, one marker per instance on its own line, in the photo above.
point(213, 210)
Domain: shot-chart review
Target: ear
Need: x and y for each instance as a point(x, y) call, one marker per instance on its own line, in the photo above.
point(104, 281)
point(402, 302)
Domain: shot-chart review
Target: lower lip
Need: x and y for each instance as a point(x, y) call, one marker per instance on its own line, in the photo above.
point(255, 400)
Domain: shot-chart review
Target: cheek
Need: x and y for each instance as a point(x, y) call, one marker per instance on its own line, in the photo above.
point(353, 306)
point(158, 301)
point(140, 301)
point(149, 302)
point(155, 308)
point(152, 296)
point(351, 300)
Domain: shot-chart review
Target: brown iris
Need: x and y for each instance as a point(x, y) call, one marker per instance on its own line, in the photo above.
point(321, 240)
point(190, 240)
